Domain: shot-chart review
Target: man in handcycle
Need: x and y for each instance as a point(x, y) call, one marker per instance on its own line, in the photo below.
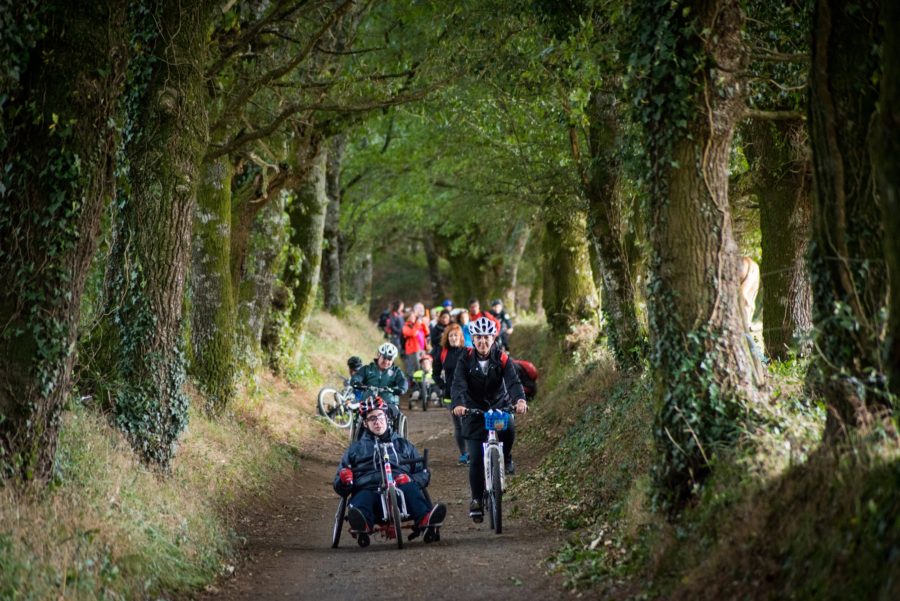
point(382, 373)
point(359, 475)
point(485, 378)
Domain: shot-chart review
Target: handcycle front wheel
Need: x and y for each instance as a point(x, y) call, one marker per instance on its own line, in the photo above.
point(496, 492)
point(423, 394)
point(338, 523)
point(395, 515)
point(332, 408)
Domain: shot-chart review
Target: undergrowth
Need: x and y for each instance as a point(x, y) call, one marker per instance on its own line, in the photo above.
point(110, 528)
point(781, 516)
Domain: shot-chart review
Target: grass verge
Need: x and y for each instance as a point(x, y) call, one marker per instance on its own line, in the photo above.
point(109, 528)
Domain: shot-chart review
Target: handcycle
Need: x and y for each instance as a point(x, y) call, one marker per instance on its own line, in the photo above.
point(393, 506)
point(398, 420)
point(494, 466)
point(338, 406)
point(425, 390)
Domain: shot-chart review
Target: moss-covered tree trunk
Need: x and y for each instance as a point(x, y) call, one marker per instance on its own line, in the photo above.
point(331, 252)
point(264, 264)
point(307, 218)
point(56, 143)
point(569, 296)
point(886, 160)
point(166, 131)
point(623, 332)
point(704, 371)
point(213, 333)
point(782, 179)
point(847, 267)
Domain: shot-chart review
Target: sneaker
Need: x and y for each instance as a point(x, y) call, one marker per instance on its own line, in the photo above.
point(435, 517)
point(357, 520)
point(510, 467)
point(464, 459)
point(475, 511)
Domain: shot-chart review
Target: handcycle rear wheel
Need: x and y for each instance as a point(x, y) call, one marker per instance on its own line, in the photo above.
point(402, 426)
point(338, 523)
point(395, 515)
point(332, 408)
point(496, 492)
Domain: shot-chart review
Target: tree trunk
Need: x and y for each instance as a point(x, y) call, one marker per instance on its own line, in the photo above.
point(57, 143)
point(434, 272)
point(512, 258)
point(331, 253)
point(849, 277)
point(569, 295)
point(307, 217)
point(626, 340)
point(782, 179)
point(886, 159)
point(265, 262)
point(704, 370)
point(213, 333)
point(166, 132)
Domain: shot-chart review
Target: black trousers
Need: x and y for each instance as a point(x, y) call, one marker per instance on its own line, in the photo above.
point(476, 456)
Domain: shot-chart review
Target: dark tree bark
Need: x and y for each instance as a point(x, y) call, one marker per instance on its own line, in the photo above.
point(782, 178)
point(847, 255)
point(307, 218)
point(627, 341)
point(213, 335)
point(569, 294)
point(704, 371)
point(433, 259)
point(57, 144)
point(166, 132)
point(508, 278)
point(886, 161)
point(331, 252)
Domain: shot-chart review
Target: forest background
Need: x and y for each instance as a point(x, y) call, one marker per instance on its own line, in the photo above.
point(184, 181)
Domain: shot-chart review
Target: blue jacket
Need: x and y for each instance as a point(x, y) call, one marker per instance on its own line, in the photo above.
point(365, 461)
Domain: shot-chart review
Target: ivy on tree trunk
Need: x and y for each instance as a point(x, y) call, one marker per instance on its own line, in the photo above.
point(847, 258)
point(62, 80)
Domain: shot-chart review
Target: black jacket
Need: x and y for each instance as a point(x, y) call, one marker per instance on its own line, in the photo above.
point(478, 389)
point(444, 370)
point(362, 457)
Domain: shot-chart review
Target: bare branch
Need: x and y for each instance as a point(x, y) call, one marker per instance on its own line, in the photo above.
point(774, 115)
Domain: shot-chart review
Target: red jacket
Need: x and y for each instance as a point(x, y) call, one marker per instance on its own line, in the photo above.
point(411, 340)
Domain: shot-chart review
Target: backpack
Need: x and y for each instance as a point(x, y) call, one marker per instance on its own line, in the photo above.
point(384, 320)
point(528, 367)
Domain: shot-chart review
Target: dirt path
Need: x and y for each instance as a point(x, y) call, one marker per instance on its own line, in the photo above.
point(289, 555)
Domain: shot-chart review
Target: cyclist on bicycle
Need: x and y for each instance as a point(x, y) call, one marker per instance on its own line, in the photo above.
point(359, 475)
point(383, 373)
point(485, 378)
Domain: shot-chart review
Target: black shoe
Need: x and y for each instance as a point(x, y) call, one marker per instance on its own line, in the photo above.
point(435, 517)
point(510, 467)
point(475, 511)
point(357, 520)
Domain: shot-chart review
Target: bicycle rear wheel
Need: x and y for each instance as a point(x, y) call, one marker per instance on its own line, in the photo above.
point(331, 407)
point(496, 492)
point(338, 523)
point(395, 515)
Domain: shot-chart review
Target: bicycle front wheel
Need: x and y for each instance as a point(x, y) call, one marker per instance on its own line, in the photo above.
point(395, 515)
point(496, 492)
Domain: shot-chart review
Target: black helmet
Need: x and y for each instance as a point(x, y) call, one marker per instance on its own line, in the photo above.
point(354, 363)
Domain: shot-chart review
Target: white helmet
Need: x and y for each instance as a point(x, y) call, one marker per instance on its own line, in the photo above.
point(387, 350)
point(483, 327)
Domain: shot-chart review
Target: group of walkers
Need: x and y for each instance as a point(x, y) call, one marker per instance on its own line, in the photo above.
point(472, 370)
